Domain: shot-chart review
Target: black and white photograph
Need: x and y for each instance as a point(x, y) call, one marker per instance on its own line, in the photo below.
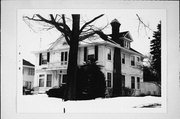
point(90, 61)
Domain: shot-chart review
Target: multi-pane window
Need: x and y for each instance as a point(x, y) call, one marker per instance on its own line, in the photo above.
point(126, 44)
point(30, 71)
point(91, 53)
point(138, 82)
point(109, 54)
point(64, 58)
point(49, 80)
point(109, 79)
point(41, 80)
point(132, 60)
point(133, 82)
point(44, 58)
point(123, 58)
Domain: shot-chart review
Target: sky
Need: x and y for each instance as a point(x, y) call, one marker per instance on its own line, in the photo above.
point(33, 40)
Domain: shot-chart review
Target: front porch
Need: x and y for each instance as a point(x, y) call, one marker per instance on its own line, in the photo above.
point(49, 78)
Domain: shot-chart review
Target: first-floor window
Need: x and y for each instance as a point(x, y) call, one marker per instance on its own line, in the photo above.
point(64, 79)
point(41, 80)
point(138, 82)
point(132, 82)
point(108, 79)
point(49, 80)
point(123, 81)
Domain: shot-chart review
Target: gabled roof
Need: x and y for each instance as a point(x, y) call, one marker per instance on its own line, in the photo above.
point(27, 63)
point(135, 51)
point(124, 34)
point(60, 42)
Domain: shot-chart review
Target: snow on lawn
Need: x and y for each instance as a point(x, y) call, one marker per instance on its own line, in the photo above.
point(41, 103)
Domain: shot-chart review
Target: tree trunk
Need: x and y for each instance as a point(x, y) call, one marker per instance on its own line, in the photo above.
point(70, 92)
point(117, 83)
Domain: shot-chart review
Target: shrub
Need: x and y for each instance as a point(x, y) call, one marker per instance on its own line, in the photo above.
point(127, 91)
point(91, 81)
point(57, 92)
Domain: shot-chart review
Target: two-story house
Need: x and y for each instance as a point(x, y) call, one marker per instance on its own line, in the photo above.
point(28, 74)
point(120, 62)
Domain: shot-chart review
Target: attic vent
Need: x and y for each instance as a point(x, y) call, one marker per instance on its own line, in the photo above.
point(64, 43)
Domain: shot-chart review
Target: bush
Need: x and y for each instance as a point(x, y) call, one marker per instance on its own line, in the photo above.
point(90, 82)
point(57, 92)
point(127, 91)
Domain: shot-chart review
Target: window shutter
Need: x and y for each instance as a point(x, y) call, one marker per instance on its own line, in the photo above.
point(96, 53)
point(48, 56)
point(40, 58)
point(85, 53)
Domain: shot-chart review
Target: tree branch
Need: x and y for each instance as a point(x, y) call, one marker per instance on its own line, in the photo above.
point(140, 21)
point(82, 28)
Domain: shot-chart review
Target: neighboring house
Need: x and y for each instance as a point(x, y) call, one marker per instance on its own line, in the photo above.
point(121, 64)
point(28, 74)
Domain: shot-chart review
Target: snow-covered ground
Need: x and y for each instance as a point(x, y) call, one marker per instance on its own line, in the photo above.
point(41, 103)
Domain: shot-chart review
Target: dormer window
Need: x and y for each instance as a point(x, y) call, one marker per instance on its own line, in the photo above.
point(126, 44)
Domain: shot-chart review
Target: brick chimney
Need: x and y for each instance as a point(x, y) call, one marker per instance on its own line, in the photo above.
point(115, 30)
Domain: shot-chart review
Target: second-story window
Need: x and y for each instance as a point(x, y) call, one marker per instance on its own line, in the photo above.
point(64, 58)
point(109, 54)
point(123, 58)
point(44, 58)
point(132, 60)
point(91, 54)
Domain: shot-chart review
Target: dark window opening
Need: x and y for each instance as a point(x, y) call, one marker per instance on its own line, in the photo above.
point(132, 82)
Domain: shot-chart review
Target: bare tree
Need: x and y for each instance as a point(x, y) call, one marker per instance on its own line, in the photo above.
point(73, 36)
point(141, 23)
